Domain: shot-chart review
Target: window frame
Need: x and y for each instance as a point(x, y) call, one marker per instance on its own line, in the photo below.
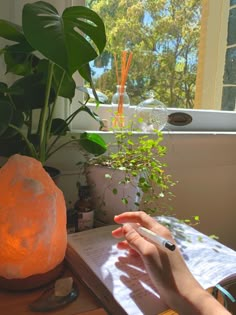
point(212, 50)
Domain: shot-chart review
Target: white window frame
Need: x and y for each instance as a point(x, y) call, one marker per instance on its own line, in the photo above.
point(212, 49)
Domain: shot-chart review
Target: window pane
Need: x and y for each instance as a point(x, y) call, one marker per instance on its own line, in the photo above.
point(163, 36)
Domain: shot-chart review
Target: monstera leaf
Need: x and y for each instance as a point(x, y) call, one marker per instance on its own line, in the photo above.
point(11, 31)
point(66, 40)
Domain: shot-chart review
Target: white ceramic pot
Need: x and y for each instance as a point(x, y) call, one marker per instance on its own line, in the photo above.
point(105, 203)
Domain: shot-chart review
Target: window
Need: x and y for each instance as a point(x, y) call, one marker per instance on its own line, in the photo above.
point(210, 104)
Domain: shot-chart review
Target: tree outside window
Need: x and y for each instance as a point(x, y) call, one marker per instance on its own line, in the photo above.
point(163, 36)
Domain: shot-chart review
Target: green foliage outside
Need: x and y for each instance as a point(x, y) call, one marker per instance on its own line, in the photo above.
point(163, 35)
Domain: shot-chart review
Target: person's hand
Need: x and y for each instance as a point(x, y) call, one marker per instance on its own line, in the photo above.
point(167, 269)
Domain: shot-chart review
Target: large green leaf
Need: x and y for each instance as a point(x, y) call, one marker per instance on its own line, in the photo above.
point(85, 72)
point(19, 59)
point(65, 40)
point(11, 31)
point(12, 146)
point(93, 143)
point(68, 85)
point(32, 94)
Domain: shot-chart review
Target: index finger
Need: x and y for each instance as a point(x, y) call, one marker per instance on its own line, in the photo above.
point(136, 217)
point(144, 220)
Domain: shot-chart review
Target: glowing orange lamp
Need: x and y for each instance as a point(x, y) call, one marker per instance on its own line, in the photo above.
point(33, 234)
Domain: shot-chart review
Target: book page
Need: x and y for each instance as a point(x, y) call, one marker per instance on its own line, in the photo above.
point(209, 261)
point(123, 274)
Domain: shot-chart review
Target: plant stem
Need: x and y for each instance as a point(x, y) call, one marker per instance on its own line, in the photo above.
point(43, 125)
point(30, 124)
point(68, 120)
point(50, 116)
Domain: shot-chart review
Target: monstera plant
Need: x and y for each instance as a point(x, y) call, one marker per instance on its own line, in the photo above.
point(44, 53)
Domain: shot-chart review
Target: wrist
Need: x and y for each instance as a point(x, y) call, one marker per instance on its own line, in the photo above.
point(199, 302)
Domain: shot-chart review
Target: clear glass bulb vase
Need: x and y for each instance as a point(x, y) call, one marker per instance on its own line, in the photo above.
point(150, 115)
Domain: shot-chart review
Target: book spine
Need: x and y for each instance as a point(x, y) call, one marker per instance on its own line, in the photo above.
point(79, 267)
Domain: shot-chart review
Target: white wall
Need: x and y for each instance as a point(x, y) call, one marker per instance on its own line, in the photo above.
point(204, 166)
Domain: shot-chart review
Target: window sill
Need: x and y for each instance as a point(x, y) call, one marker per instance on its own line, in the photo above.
point(202, 120)
point(164, 132)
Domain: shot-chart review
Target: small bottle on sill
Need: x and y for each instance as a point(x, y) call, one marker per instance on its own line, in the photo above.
point(84, 209)
point(72, 221)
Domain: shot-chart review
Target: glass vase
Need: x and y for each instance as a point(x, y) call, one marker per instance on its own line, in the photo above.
point(120, 104)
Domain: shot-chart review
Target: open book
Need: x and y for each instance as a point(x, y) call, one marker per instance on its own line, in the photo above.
point(120, 281)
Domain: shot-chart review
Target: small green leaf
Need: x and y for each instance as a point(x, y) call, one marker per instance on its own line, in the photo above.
point(115, 191)
point(214, 237)
point(93, 143)
point(124, 201)
point(59, 127)
point(142, 180)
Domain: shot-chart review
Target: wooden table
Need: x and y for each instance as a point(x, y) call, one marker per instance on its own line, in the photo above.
point(17, 303)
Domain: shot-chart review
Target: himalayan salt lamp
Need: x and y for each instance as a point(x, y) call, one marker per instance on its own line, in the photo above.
point(33, 235)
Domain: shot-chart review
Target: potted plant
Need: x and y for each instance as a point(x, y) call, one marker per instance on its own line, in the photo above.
point(135, 173)
point(44, 53)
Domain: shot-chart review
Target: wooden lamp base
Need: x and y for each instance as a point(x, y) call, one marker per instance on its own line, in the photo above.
point(32, 282)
